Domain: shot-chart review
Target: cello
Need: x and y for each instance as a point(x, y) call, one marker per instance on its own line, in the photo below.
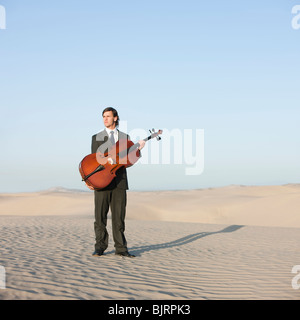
point(99, 169)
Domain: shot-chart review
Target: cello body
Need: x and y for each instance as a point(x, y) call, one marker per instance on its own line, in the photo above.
point(99, 169)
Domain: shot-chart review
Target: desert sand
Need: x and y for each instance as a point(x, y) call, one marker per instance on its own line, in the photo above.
point(235, 242)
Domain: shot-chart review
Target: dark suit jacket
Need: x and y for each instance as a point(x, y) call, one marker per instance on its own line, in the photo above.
point(101, 142)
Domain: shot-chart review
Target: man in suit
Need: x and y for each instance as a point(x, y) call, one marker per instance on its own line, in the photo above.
point(114, 195)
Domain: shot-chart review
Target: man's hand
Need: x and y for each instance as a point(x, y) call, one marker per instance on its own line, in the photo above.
point(142, 144)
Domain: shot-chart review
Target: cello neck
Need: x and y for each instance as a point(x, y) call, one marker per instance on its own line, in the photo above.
point(153, 135)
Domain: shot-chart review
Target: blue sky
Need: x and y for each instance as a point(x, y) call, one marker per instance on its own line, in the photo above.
point(230, 68)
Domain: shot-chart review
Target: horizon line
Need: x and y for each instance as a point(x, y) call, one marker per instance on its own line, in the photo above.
point(61, 189)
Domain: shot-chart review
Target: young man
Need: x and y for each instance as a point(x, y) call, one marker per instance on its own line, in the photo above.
point(114, 195)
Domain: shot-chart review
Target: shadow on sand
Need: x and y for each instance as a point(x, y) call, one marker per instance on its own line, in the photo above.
point(182, 241)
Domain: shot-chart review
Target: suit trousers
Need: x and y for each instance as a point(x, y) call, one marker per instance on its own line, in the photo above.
point(116, 200)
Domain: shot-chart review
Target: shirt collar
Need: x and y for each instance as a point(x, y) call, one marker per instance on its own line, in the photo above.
point(109, 131)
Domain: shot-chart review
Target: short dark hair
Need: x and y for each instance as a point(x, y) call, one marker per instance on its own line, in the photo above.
point(115, 113)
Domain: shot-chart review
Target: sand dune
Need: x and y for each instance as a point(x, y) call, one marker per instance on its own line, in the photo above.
point(262, 205)
point(223, 243)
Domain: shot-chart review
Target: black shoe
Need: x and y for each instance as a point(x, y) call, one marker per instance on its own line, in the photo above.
point(98, 253)
point(125, 254)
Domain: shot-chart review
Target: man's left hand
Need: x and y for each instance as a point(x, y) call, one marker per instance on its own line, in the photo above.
point(142, 144)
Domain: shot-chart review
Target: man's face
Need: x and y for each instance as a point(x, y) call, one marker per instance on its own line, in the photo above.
point(109, 120)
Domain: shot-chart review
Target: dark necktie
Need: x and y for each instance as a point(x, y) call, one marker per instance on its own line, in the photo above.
point(112, 138)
